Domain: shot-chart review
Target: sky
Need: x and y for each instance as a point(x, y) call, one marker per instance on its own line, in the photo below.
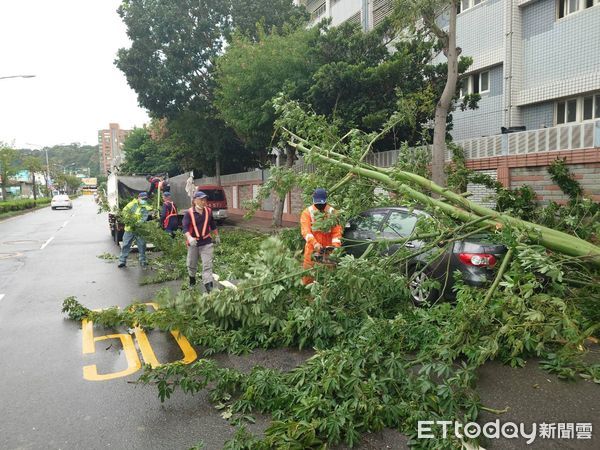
point(70, 46)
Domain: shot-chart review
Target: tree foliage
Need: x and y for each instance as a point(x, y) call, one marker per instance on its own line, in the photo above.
point(143, 154)
point(171, 62)
point(8, 166)
point(250, 17)
point(251, 74)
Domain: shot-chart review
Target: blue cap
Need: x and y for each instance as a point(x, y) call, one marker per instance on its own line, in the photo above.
point(143, 195)
point(166, 194)
point(320, 196)
point(200, 194)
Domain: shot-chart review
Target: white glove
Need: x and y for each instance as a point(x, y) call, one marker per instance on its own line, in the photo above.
point(192, 241)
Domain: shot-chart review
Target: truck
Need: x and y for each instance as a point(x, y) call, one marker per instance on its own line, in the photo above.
point(121, 188)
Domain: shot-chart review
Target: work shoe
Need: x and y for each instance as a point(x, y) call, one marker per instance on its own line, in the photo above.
point(192, 281)
point(208, 287)
point(121, 265)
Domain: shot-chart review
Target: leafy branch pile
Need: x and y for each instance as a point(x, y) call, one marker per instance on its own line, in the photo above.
point(379, 362)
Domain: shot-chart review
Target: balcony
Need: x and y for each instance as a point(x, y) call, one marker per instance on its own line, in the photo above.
point(564, 137)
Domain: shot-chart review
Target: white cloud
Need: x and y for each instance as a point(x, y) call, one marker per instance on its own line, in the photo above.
point(70, 46)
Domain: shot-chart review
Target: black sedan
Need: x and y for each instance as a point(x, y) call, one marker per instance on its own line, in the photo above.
point(430, 271)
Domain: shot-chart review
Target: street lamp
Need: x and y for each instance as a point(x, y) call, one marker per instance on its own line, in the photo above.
point(17, 76)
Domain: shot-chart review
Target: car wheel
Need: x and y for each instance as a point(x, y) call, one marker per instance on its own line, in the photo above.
point(53, 207)
point(419, 284)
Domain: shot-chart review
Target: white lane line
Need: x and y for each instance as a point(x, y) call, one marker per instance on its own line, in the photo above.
point(46, 243)
point(65, 224)
point(1, 297)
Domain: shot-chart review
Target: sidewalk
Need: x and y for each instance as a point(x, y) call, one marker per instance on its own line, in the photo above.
point(255, 223)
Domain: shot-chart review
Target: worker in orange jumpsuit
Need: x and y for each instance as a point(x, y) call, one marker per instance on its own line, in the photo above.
point(316, 240)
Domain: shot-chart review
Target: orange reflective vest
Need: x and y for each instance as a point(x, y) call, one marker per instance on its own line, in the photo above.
point(171, 213)
point(325, 238)
point(193, 228)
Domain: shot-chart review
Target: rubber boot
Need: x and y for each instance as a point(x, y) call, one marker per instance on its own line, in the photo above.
point(192, 281)
point(208, 287)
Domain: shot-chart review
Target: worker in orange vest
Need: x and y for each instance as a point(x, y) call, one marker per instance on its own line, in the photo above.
point(316, 240)
point(200, 234)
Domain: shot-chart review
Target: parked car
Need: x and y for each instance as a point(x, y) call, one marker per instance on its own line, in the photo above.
point(61, 201)
point(217, 201)
point(475, 257)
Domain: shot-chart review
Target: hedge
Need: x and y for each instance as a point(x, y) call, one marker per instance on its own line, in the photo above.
point(18, 205)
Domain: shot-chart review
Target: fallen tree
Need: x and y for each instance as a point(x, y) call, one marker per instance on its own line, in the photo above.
point(455, 205)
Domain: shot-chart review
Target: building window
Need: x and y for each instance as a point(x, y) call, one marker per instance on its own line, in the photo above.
point(463, 5)
point(484, 82)
point(578, 109)
point(566, 7)
point(477, 83)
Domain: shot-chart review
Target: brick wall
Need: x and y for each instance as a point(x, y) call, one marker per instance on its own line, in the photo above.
point(245, 194)
point(229, 195)
point(481, 194)
point(588, 175)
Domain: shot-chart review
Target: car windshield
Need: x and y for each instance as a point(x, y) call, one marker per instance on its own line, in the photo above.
point(214, 195)
point(400, 223)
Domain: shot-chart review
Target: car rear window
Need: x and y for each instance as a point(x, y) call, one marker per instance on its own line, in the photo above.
point(61, 197)
point(214, 195)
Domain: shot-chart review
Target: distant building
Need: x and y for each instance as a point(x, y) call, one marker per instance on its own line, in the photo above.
point(110, 144)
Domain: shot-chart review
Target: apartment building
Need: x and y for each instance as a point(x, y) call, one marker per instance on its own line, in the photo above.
point(110, 144)
point(536, 65)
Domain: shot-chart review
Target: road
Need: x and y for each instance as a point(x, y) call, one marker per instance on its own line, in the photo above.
point(46, 402)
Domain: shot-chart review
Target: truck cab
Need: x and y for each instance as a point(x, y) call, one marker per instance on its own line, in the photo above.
point(217, 201)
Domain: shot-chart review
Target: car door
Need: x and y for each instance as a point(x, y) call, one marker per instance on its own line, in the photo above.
point(363, 229)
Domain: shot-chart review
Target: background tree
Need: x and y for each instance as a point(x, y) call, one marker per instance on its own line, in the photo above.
point(251, 74)
point(69, 183)
point(423, 15)
point(171, 61)
point(33, 165)
point(145, 155)
point(251, 16)
point(83, 158)
point(8, 166)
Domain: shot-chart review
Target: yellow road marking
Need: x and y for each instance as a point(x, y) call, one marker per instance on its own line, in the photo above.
point(90, 372)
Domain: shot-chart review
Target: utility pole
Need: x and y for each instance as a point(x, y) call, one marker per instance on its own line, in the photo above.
point(45, 149)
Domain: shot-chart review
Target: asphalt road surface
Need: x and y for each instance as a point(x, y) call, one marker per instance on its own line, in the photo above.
point(46, 402)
